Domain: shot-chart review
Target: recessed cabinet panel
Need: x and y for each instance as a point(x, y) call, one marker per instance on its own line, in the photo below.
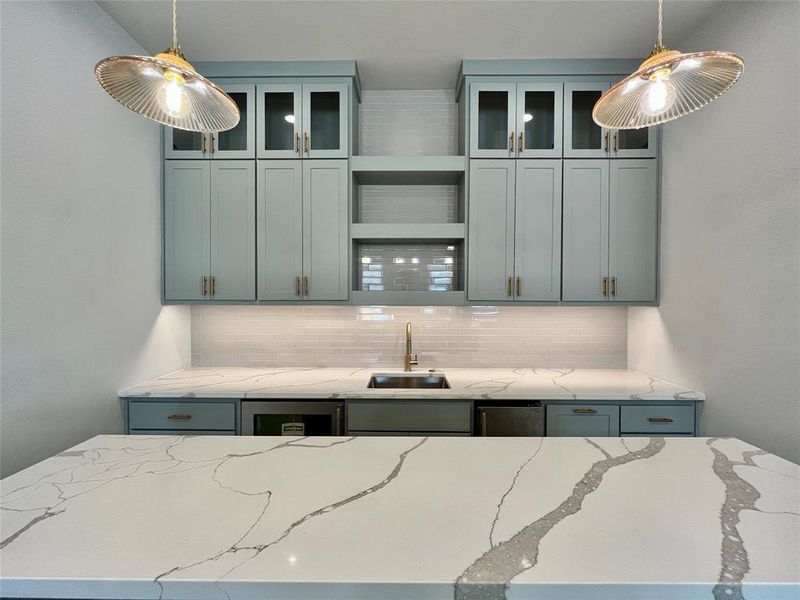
point(233, 230)
point(593, 420)
point(583, 138)
point(537, 247)
point(186, 230)
point(633, 230)
point(492, 120)
point(279, 120)
point(280, 229)
point(585, 230)
point(539, 120)
point(325, 120)
point(491, 229)
point(325, 230)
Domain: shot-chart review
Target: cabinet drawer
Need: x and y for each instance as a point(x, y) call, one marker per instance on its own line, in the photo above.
point(429, 415)
point(182, 415)
point(166, 432)
point(582, 420)
point(657, 419)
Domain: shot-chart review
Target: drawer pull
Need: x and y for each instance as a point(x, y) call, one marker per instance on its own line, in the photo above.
point(584, 411)
point(659, 420)
point(179, 417)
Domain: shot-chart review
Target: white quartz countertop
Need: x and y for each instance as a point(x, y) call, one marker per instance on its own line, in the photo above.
point(486, 384)
point(403, 518)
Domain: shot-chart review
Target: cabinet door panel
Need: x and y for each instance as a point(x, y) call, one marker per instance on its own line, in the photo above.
point(492, 120)
point(181, 144)
point(585, 246)
point(186, 229)
point(633, 230)
point(280, 229)
point(280, 122)
point(635, 143)
point(491, 229)
point(325, 229)
point(582, 421)
point(539, 120)
point(583, 138)
point(233, 230)
point(239, 142)
point(537, 246)
point(325, 132)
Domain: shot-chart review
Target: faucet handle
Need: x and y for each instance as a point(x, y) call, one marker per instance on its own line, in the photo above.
point(412, 359)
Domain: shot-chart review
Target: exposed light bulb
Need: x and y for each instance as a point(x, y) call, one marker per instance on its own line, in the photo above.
point(660, 94)
point(171, 96)
point(527, 117)
point(289, 118)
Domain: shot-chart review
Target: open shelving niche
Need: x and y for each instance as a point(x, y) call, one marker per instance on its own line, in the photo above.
point(408, 226)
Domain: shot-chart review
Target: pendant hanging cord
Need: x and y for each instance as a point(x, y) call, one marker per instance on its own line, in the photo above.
point(175, 24)
point(660, 22)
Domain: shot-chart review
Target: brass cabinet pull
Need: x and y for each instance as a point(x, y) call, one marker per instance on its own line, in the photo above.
point(510, 287)
point(305, 142)
point(521, 144)
point(616, 142)
point(605, 286)
point(179, 417)
point(659, 420)
point(213, 144)
point(584, 411)
point(297, 286)
point(203, 142)
point(213, 285)
point(204, 285)
point(305, 286)
point(613, 286)
point(519, 287)
point(297, 142)
point(511, 142)
point(605, 144)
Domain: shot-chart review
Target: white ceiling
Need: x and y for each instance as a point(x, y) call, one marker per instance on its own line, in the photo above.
point(407, 44)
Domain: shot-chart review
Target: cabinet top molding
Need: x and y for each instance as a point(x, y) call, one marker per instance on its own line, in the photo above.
point(557, 67)
point(282, 68)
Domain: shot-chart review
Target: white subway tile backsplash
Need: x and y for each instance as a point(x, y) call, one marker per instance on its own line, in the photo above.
point(444, 336)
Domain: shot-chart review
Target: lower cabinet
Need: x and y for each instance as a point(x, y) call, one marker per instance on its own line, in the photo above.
point(170, 417)
point(395, 417)
point(585, 420)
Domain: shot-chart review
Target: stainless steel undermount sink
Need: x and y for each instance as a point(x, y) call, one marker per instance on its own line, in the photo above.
point(409, 381)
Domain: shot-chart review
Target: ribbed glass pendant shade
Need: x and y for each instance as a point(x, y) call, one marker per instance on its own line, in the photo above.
point(667, 85)
point(167, 89)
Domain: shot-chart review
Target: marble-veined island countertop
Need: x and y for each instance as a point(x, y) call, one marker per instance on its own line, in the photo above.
point(404, 518)
point(466, 383)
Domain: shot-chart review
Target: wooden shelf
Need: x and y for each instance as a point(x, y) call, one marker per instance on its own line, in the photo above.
point(407, 231)
point(408, 170)
point(409, 298)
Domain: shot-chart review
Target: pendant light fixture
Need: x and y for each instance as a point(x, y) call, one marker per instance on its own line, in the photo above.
point(166, 88)
point(668, 85)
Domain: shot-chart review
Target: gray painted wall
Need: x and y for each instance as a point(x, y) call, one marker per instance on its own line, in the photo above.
point(80, 314)
point(729, 320)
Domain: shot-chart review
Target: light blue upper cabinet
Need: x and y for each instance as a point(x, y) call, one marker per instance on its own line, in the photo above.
point(492, 120)
point(280, 229)
point(539, 120)
point(186, 230)
point(583, 138)
point(537, 246)
point(238, 142)
point(233, 230)
point(280, 120)
point(326, 220)
point(303, 120)
point(634, 143)
point(633, 231)
point(585, 231)
point(491, 230)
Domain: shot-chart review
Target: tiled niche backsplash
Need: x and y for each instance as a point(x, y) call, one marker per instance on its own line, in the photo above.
point(444, 336)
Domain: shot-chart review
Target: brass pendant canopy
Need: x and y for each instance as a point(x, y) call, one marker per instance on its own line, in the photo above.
point(167, 89)
point(668, 85)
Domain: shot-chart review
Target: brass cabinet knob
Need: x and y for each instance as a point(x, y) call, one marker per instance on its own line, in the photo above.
point(204, 285)
point(519, 287)
point(659, 420)
point(179, 417)
point(584, 411)
point(613, 286)
point(521, 145)
point(510, 287)
point(297, 286)
point(213, 285)
point(511, 142)
point(305, 286)
point(605, 286)
point(306, 144)
point(297, 142)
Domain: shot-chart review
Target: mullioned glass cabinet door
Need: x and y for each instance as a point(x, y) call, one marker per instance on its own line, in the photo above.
point(539, 120)
point(583, 138)
point(492, 120)
point(238, 142)
point(325, 120)
point(280, 120)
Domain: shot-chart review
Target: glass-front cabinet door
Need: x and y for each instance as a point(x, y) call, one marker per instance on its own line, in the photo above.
point(538, 120)
point(280, 120)
point(634, 143)
point(583, 138)
point(492, 120)
point(238, 142)
point(324, 120)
